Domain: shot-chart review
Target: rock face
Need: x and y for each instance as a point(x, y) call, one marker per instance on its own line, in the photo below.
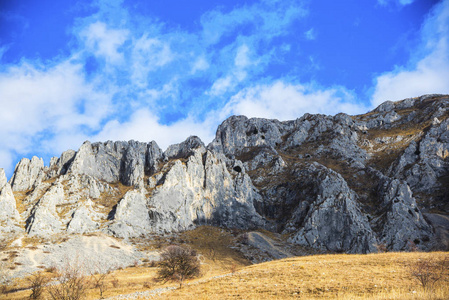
point(333, 221)
point(334, 183)
point(28, 174)
point(401, 219)
point(44, 218)
point(9, 216)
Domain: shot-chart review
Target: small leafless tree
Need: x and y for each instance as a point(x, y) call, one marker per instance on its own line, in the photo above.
point(38, 283)
point(381, 247)
point(233, 267)
point(428, 271)
point(178, 263)
point(244, 238)
point(115, 283)
point(71, 283)
point(412, 247)
point(99, 279)
point(212, 251)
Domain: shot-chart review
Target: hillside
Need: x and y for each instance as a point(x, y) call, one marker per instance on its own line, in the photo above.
point(340, 276)
point(317, 184)
point(375, 276)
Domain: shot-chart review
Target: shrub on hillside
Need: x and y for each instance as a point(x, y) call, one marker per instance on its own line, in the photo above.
point(429, 271)
point(38, 283)
point(71, 283)
point(178, 263)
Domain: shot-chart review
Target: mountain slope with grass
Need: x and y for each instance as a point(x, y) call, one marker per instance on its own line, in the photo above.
point(394, 275)
point(318, 184)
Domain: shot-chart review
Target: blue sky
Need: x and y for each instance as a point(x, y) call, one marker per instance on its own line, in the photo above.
point(163, 70)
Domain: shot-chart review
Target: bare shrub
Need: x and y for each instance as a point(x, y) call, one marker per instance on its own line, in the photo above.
point(178, 263)
point(212, 251)
point(412, 247)
point(152, 264)
point(232, 268)
point(244, 238)
point(428, 271)
point(51, 269)
point(71, 283)
point(99, 279)
point(148, 284)
point(38, 283)
point(381, 247)
point(115, 282)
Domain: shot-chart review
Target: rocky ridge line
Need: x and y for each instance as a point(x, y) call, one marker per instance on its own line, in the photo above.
point(335, 183)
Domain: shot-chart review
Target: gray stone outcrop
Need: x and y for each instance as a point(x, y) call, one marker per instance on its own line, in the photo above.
point(401, 220)
point(9, 216)
point(27, 174)
point(44, 219)
point(334, 183)
point(334, 222)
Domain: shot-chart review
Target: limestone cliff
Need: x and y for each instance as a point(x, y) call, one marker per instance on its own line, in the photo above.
point(335, 183)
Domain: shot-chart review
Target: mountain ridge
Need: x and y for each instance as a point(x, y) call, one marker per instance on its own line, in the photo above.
point(333, 183)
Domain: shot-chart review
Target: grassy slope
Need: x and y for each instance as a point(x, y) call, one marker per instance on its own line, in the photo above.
point(373, 276)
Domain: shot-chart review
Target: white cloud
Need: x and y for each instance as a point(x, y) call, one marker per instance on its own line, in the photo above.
point(145, 126)
point(41, 105)
point(310, 34)
point(285, 101)
point(428, 70)
point(398, 2)
point(148, 54)
point(269, 17)
point(220, 86)
point(3, 49)
point(6, 161)
point(200, 64)
point(242, 59)
point(104, 42)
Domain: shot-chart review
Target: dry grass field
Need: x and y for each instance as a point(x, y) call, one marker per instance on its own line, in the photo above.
point(226, 274)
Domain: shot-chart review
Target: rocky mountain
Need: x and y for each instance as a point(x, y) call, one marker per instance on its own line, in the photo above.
point(334, 183)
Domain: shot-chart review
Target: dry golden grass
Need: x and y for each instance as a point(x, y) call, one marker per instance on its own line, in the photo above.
point(372, 276)
point(108, 200)
point(214, 244)
point(20, 197)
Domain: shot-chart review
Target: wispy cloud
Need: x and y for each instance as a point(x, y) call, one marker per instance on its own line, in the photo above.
point(310, 34)
point(428, 69)
point(397, 2)
point(104, 42)
point(41, 103)
point(143, 125)
point(130, 77)
point(287, 101)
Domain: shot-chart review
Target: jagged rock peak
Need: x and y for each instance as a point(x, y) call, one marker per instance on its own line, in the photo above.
point(239, 132)
point(9, 216)
point(409, 102)
point(116, 161)
point(27, 174)
point(184, 149)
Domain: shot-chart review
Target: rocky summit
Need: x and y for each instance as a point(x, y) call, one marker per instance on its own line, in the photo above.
point(333, 183)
